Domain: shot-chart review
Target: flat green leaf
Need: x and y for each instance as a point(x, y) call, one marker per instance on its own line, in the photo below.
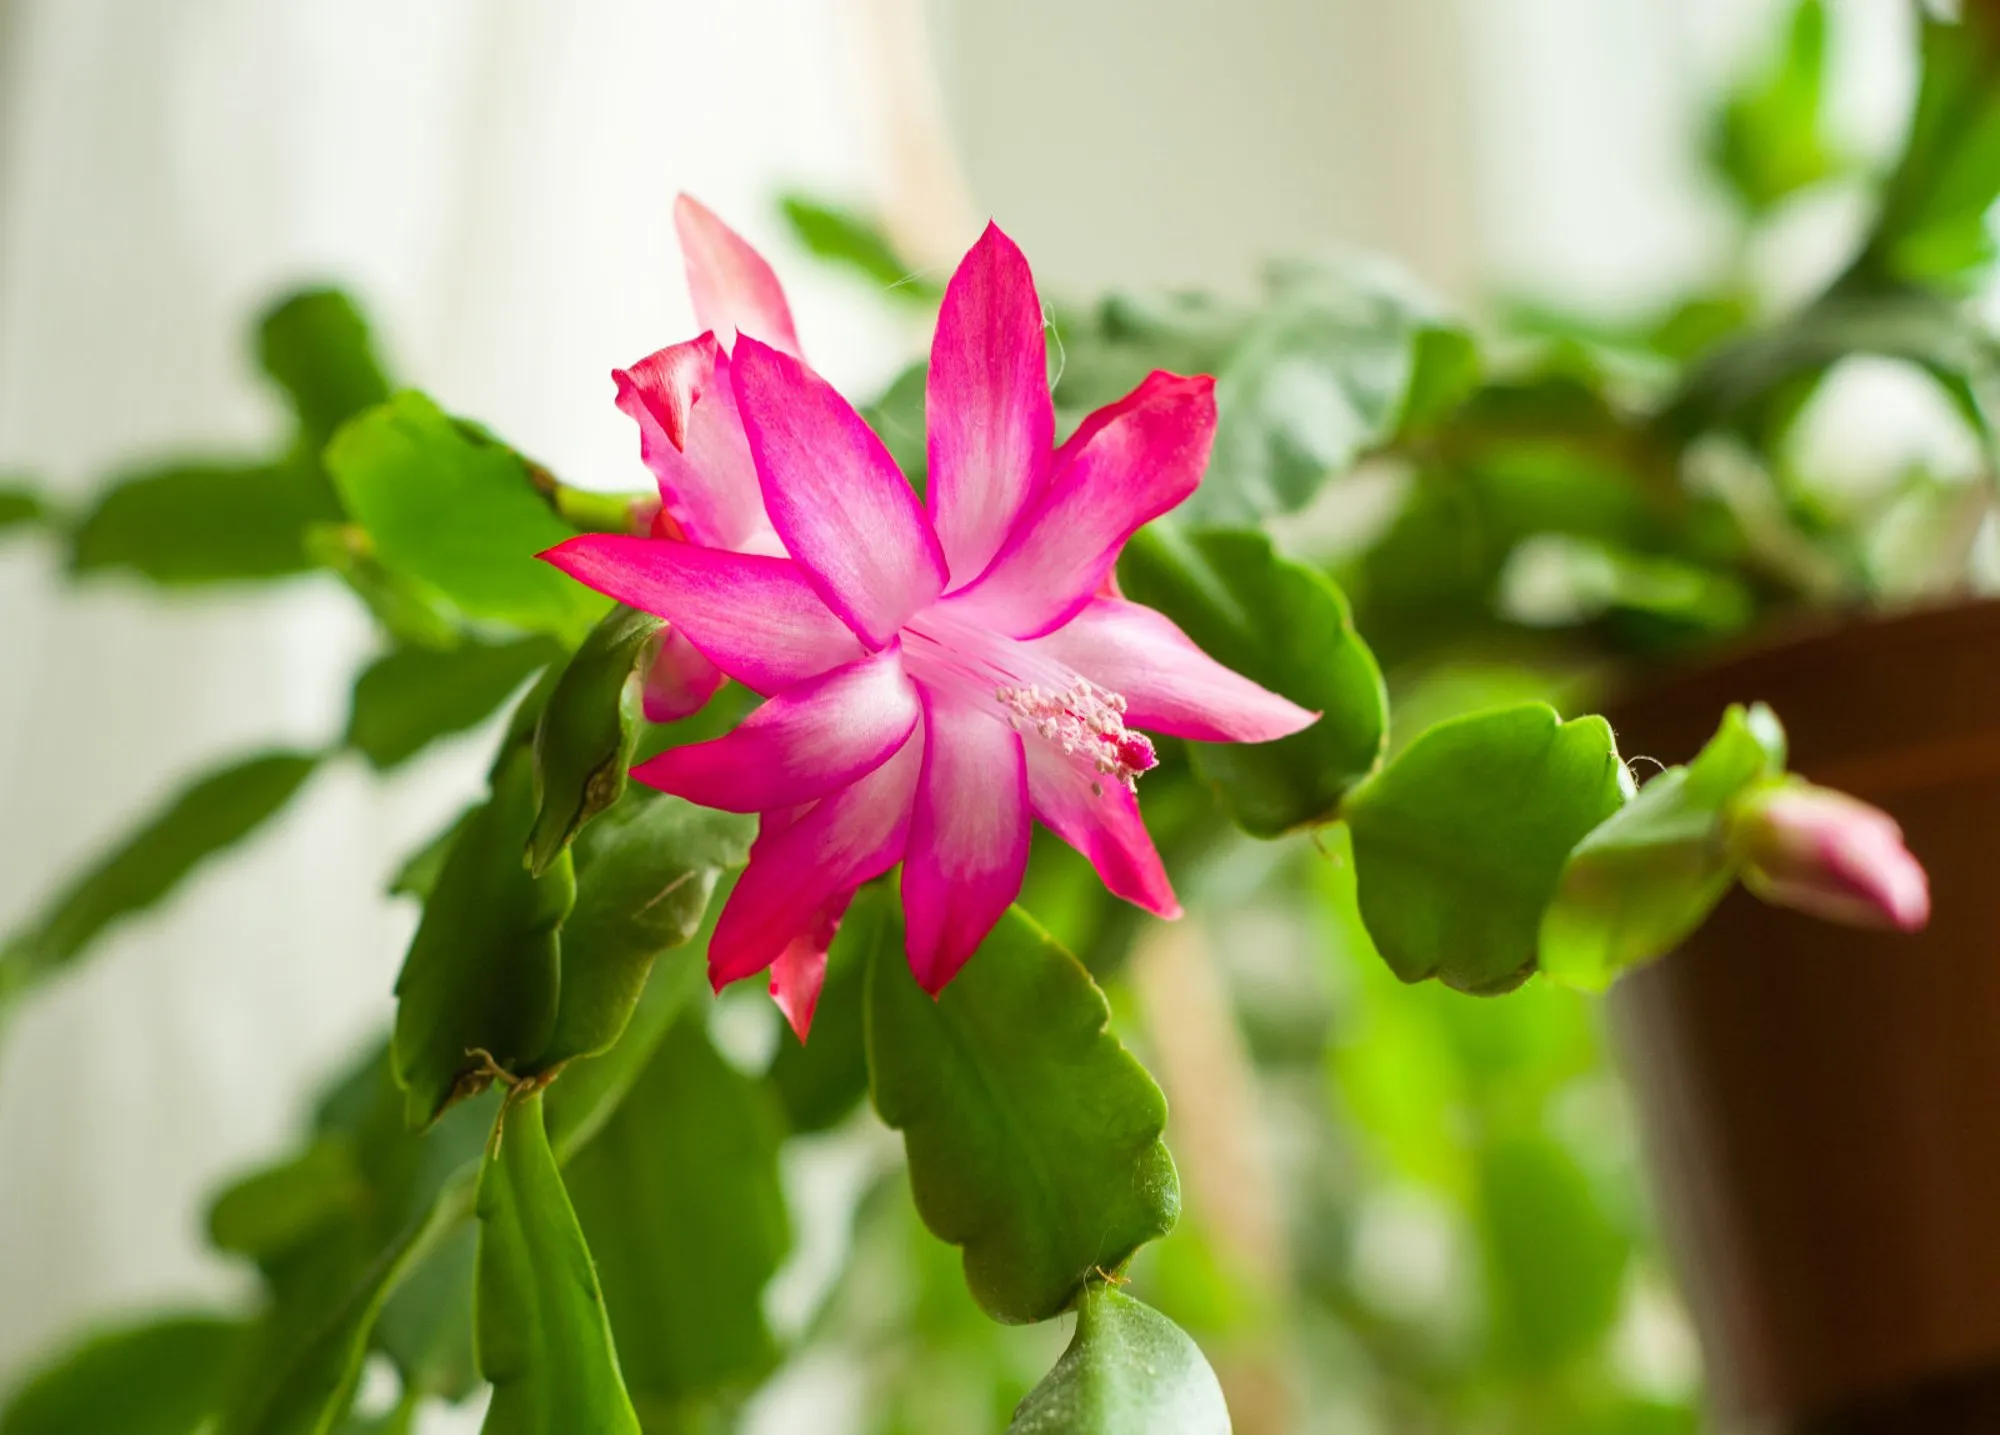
point(315, 345)
point(20, 507)
point(425, 1325)
point(1128, 1371)
point(410, 697)
point(898, 416)
point(542, 1335)
point(458, 511)
point(483, 970)
point(1459, 842)
point(1033, 1136)
point(1767, 143)
point(213, 813)
point(819, 1082)
point(1646, 876)
point(158, 1377)
point(1321, 374)
point(1284, 625)
point(271, 1211)
point(1932, 227)
point(1444, 372)
point(645, 873)
point(680, 1201)
point(195, 523)
point(1555, 1264)
point(583, 742)
point(843, 237)
point(417, 875)
point(412, 613)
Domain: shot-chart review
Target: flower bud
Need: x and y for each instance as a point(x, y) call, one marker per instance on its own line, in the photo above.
point(1827, 854)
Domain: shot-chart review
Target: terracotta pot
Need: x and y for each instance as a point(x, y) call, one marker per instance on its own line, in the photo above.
point(1822, 1106)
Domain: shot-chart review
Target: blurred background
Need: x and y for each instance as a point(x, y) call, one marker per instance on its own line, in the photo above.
point(494, 179)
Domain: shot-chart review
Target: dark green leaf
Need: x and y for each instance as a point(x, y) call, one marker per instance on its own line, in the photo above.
point(583, 742)
point(417, 876)
point(898, 416)
point(1284, 625)
point(483, 971)
point(407, 699)
point(315, 345)
point(1555, 1264)
point(1459, 842)
point(458, 511)
point(843, 237)
point(425, 1326)
point(206, 523)
point(680, 1201)
point(215, 812)
point(1033, 1136)
point(269, 1213)
point(1128, 1371)
point(645, 873)
point(542, 1336)
point(1646, 876)
point(160, 1377)
point(819, 1082)
point(19, 507)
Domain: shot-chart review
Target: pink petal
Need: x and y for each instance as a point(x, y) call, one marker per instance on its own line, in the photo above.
point(800, 866)
point(734, 290)
point(968, 847)
point(756, 618)
point(800, 970)
point(1127, 464)
point(1101, 820)
point(679, 681)
point(835, 496)
point(1169, 685)
point(692, 440)
point(992, 424)
point(806, 742)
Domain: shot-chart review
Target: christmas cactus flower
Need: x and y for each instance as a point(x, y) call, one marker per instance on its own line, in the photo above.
point(938, 673)
point(690, 435)
point(1829, 855)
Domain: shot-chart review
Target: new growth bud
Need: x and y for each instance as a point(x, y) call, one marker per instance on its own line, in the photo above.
point(1829, 855)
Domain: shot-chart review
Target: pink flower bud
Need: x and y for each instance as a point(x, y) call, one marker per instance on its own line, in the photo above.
point(1827, 854)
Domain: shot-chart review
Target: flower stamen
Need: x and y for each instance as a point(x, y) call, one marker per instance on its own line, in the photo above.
point(1082, 721)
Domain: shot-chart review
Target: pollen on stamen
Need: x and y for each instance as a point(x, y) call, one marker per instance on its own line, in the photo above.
point(1083, 721)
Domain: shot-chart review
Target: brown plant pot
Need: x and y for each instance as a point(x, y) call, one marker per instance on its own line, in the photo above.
point(1822, 1105)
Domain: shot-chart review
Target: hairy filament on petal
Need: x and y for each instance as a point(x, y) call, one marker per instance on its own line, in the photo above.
point(1083, 721)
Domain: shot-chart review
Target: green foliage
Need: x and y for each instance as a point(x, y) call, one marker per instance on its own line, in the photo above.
point(1460, 841)
point(410, 697)
point(453, 508)
point(1768, 140)
point(195, 523)
point(818, 1083)
point(211, 814)
point(1646, 876)
point(844, 238)
point(680, 1200)
point(1033, 1136)
point(585, 736)
point(1285, 625)
point(315, 345)
point(542, 1336)
point(483, 971)
point(158, 1377)
point(1128, 1371)
point(20, 507)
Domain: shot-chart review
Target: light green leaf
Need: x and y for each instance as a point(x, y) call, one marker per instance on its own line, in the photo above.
point(1286, 626)
point(1645, 877)
point(542, 1336)
point(1033, 1136)
point(194, 523)
point(645, 873)
point(213, 813)
point(1444, 372)
point(1932, 228)
point(483, 970)
point(315, 345)
point(843, 237)
point(410, 697)
point(1555, 1265)
point(157, 1377)
point(458, 511)
point(270, 1212)
point(1459, 842)
point(412, 613)
point(1128, 1371)
point(680, 1200)
point(1767, 143)
point(584, 739)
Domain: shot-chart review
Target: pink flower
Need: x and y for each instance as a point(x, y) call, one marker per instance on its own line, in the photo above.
point(1830, 855)
point(938, 674)
point(690, 435)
